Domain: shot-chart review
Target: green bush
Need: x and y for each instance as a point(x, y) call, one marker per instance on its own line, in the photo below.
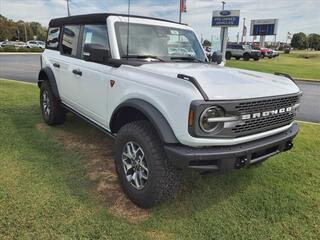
point(13, 49)
point(9, 49)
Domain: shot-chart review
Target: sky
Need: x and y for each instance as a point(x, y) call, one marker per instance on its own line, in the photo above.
point(294, 15)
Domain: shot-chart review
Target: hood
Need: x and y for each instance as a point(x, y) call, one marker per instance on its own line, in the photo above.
point(224, 83)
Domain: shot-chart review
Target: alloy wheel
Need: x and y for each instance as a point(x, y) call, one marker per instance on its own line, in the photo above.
point(135, 165)
point(46, 103)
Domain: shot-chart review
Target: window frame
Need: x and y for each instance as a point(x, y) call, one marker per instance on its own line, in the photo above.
point(59, 40)
point(78, 44)
point(80, 39)
point(82, 33)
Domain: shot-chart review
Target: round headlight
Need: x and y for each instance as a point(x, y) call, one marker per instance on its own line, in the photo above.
point(210, 113)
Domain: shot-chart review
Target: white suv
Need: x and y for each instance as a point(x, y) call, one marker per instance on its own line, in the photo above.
point(35, 44)
point(167, 110)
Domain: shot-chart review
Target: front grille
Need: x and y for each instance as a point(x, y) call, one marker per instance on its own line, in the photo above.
point(256, 125)
point(267, 104)
point(264, 123)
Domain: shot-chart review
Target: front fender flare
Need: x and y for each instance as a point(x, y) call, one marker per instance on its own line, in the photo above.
point(159, 122)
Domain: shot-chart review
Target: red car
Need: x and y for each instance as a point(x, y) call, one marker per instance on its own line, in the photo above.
point(264, 52)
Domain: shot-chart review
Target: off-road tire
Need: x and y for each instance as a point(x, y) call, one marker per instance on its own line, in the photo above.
point(228, 55)
point(163, 178)
point(246, 57)
point(56, 114)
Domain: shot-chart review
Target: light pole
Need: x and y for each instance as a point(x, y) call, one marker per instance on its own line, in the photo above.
point(224, 38)
point(243, 30)
point(25, 32)
point(68, 7)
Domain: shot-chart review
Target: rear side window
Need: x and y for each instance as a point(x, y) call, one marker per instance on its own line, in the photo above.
point(96, 34)
point(53, 38)
point(70, 39)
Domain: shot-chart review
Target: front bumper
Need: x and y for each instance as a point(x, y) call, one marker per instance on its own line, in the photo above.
point(230, 157)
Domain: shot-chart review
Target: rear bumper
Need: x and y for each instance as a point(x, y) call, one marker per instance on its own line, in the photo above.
point(230, 157)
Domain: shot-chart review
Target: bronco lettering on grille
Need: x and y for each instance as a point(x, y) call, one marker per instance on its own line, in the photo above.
point(266, 113)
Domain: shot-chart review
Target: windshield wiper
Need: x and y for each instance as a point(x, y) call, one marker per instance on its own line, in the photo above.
point(186, 58)
point(143, 57)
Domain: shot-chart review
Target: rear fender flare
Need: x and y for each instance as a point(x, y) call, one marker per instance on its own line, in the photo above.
point(46, 74)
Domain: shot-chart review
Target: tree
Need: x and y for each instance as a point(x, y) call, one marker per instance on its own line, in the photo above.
point(9, 30)
point(299, 40)
point(314, 41)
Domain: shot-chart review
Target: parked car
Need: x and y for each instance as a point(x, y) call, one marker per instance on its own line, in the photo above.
point(274, 53)
point(36, 44)
point(242, 51)
point(15, 44)
point(264, 52)
point(166, 113)
point(180, 51)
point(287, 49)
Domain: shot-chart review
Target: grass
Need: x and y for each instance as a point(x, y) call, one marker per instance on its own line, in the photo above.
point(294, 64)
point(45, 192)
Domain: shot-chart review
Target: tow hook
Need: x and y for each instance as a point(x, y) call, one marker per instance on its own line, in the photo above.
point(288, 146)
point(241, 162)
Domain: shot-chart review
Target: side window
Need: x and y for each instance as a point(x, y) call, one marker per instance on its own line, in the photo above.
point(70, 39)
point(96, 34)
point(53, 38)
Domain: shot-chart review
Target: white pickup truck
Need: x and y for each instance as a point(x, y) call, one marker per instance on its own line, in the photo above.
point(167, 110)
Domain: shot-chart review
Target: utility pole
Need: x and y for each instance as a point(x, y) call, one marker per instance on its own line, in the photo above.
point(68, 7)
point(223, 37)
point(18, 33)
point(25, 32)
point(244, 25)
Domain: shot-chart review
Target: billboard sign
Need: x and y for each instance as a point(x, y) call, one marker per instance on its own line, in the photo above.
point(263, 27)
point(225, 18)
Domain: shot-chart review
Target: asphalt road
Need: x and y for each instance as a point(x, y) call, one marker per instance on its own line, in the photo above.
point(26, 68)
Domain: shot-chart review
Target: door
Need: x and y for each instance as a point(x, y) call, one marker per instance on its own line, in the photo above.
point(90, 81)
point(69, 50)
point(52, 55)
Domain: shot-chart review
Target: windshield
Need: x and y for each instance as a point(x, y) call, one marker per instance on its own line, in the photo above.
point(163, 43)
point(247, 47)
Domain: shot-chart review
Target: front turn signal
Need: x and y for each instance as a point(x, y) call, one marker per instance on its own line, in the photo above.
point(190, 118)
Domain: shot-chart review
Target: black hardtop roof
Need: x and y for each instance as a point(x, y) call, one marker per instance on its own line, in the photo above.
point(95, 18)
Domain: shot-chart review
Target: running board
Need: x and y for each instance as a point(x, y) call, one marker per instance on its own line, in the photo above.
point(110, 134)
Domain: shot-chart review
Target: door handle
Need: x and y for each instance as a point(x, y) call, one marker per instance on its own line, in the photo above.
point(77, 72)
point(57, 65)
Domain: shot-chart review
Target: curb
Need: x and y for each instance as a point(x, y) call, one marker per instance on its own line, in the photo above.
point(307, 80)
point(17, 81)
point(20, 53)
point(306, 122)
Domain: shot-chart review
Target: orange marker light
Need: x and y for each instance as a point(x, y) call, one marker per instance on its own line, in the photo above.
point(191, 117)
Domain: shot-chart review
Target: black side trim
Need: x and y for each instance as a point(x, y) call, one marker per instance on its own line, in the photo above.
point(89, 121)
point(52, 80)
point(195, 83)
point(153, 115)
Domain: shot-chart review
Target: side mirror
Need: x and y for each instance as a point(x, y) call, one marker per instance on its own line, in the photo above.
point(93, 52)
point(216, 57)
